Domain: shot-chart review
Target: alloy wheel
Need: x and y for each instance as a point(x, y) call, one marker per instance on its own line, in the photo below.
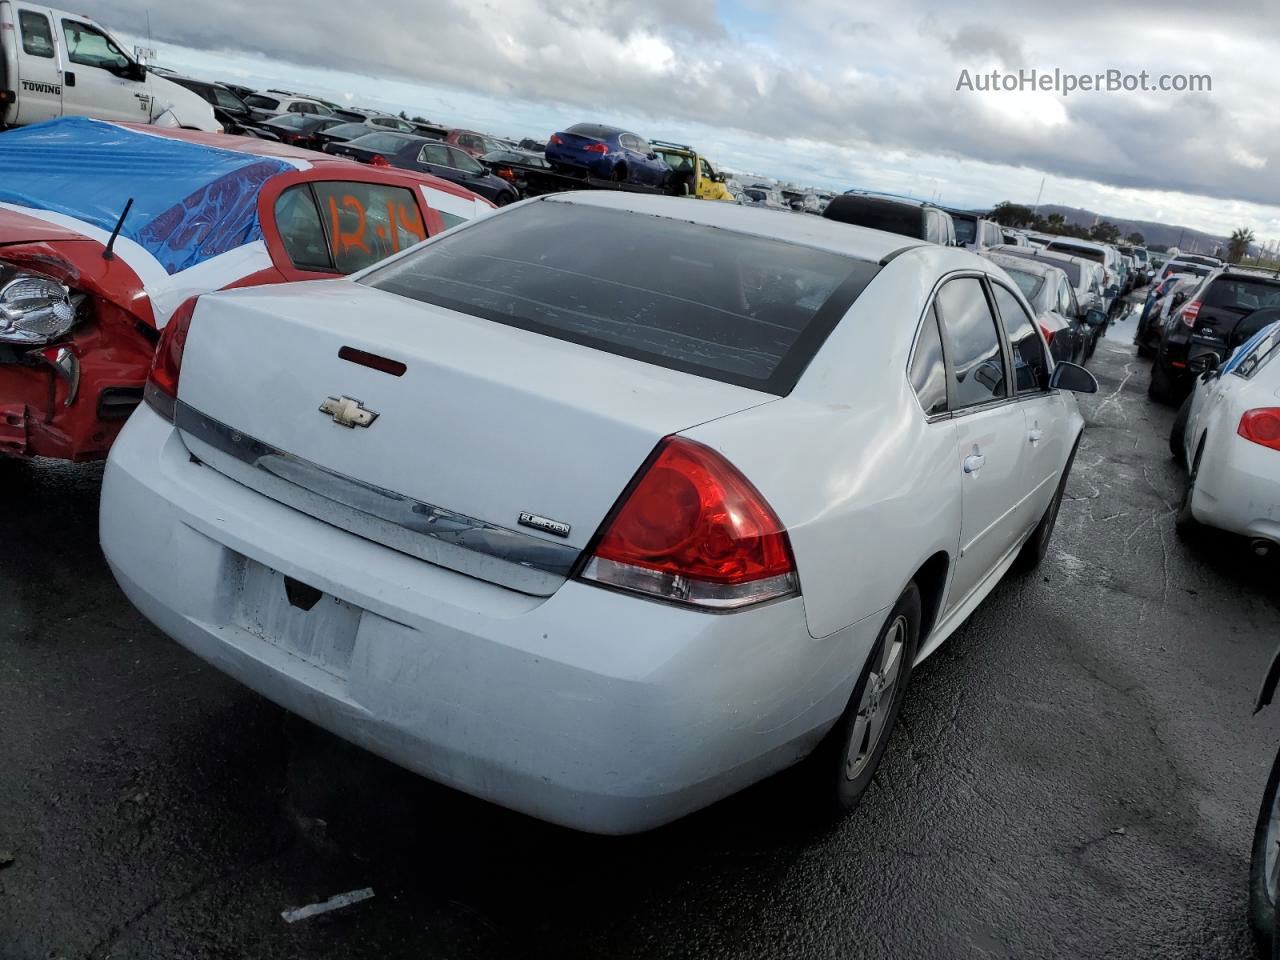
point(877, 700)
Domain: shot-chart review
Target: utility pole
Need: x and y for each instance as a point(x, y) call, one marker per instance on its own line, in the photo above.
point(1036, 212)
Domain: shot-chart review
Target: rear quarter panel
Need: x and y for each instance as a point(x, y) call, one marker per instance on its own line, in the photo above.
point(867, 488)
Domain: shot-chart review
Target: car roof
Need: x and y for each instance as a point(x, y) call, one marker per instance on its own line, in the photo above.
point(1036, 253)
point(1085, 244)
point(860, 243)
point(1026, 264)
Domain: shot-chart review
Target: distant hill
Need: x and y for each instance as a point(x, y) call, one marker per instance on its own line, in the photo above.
point(1162, 234)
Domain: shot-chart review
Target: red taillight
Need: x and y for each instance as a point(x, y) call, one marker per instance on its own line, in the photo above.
point(555, 138)
point(596, 148)
point(506, 173)
point(1261, 426)
point(1048, 334)
point(378, 160)
point(161, 392)
point(1189, 313)
point(693, 529)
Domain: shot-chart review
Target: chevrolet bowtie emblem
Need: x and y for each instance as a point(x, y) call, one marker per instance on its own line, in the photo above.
point(348, 412)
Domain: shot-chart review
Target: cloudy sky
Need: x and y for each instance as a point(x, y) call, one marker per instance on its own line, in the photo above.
point(840, 95)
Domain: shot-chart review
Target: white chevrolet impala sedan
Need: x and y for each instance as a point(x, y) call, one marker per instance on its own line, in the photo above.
point(602, 507)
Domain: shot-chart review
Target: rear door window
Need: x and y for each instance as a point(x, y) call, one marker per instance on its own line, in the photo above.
point(341, 226)
point(37, 36)
point(973, 343)
point(1031, 367)
point(728, 306)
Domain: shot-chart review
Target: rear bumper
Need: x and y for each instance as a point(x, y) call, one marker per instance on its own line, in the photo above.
point(588, 708)
point(1238, 488)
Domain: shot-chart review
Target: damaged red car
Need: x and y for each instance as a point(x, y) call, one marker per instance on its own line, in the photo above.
point(106, 229)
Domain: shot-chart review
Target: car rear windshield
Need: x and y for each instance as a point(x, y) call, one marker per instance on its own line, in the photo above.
point(1028, 283)
point(887, 215)
point(261, 102)
point(728, 306)
point(388, 142)
point(1071, 268)
point(1242, 294)
point(966, 229)
point(347, 131)
point(1089, 253)
point(598, 130)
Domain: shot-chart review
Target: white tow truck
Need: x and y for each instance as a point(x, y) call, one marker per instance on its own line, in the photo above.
point(56, 64)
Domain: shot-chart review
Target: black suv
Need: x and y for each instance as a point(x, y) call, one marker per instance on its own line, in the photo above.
point(1216, 317)
point(911, 218)
point(229, 110)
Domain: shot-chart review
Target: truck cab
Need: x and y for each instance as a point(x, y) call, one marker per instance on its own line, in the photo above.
point(692, 175)
point(55, 64)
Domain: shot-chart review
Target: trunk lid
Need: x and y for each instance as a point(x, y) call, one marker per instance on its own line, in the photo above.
point(486, 423)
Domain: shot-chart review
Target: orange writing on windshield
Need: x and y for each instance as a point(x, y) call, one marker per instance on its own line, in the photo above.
point(398, 217)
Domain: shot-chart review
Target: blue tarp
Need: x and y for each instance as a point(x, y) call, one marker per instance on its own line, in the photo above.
point(190, 201)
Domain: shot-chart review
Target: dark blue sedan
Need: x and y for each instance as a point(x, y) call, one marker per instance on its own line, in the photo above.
point(592, 149)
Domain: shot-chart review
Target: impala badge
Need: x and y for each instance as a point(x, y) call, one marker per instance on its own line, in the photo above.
point(544, 524)
point(348, 412)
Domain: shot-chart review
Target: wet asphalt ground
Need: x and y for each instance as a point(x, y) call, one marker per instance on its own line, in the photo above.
point(1075, 774)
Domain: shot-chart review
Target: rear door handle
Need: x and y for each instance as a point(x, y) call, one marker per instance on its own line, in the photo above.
point(1036, 435)
point(973, 463)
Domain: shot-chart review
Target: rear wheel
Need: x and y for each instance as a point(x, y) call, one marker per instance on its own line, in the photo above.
point(1264, 866)
point(1033, 551)
point(619, 173)
point(847, 759)
point(1178, 435)
point(1161, 387)
point(502, 199)
point(1186, 521)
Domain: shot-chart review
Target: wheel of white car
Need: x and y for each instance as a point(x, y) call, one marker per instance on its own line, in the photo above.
point(1178, 434)
point(1186, 521)
point(848, 757)
point(1264, 867)
point(1037, 545)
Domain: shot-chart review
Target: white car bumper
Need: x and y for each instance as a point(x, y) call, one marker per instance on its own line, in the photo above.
point(1238, 487)
point(590, 708)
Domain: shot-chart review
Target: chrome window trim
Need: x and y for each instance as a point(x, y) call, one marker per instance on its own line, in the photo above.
point(415, 516)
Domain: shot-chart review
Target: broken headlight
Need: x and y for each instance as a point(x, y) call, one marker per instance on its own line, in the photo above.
point(33, 309)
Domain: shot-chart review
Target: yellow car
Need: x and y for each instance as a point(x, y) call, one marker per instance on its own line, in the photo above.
point(691, 175)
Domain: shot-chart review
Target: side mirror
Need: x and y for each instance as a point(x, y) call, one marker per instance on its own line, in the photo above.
point(991, 376)
point(652, 156)
point(1070, 376)
point(136, 72)
point(1095, 318)
point(1205, 363)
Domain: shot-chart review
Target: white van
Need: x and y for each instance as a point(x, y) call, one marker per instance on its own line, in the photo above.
point(55, 64)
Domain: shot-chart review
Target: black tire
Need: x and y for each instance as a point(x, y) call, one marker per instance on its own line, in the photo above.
point(502, 199)
point(842, 777)
point(619, 173)
point(1145, 351)
point(1262, 904)
point(1186, 522)
point(1033, 551)
point(1161, 386)
point(1178, 434)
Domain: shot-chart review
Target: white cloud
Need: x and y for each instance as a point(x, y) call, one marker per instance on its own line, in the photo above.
point(833, 89)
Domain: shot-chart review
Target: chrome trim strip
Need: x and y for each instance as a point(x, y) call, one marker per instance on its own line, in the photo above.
point(421, 518)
